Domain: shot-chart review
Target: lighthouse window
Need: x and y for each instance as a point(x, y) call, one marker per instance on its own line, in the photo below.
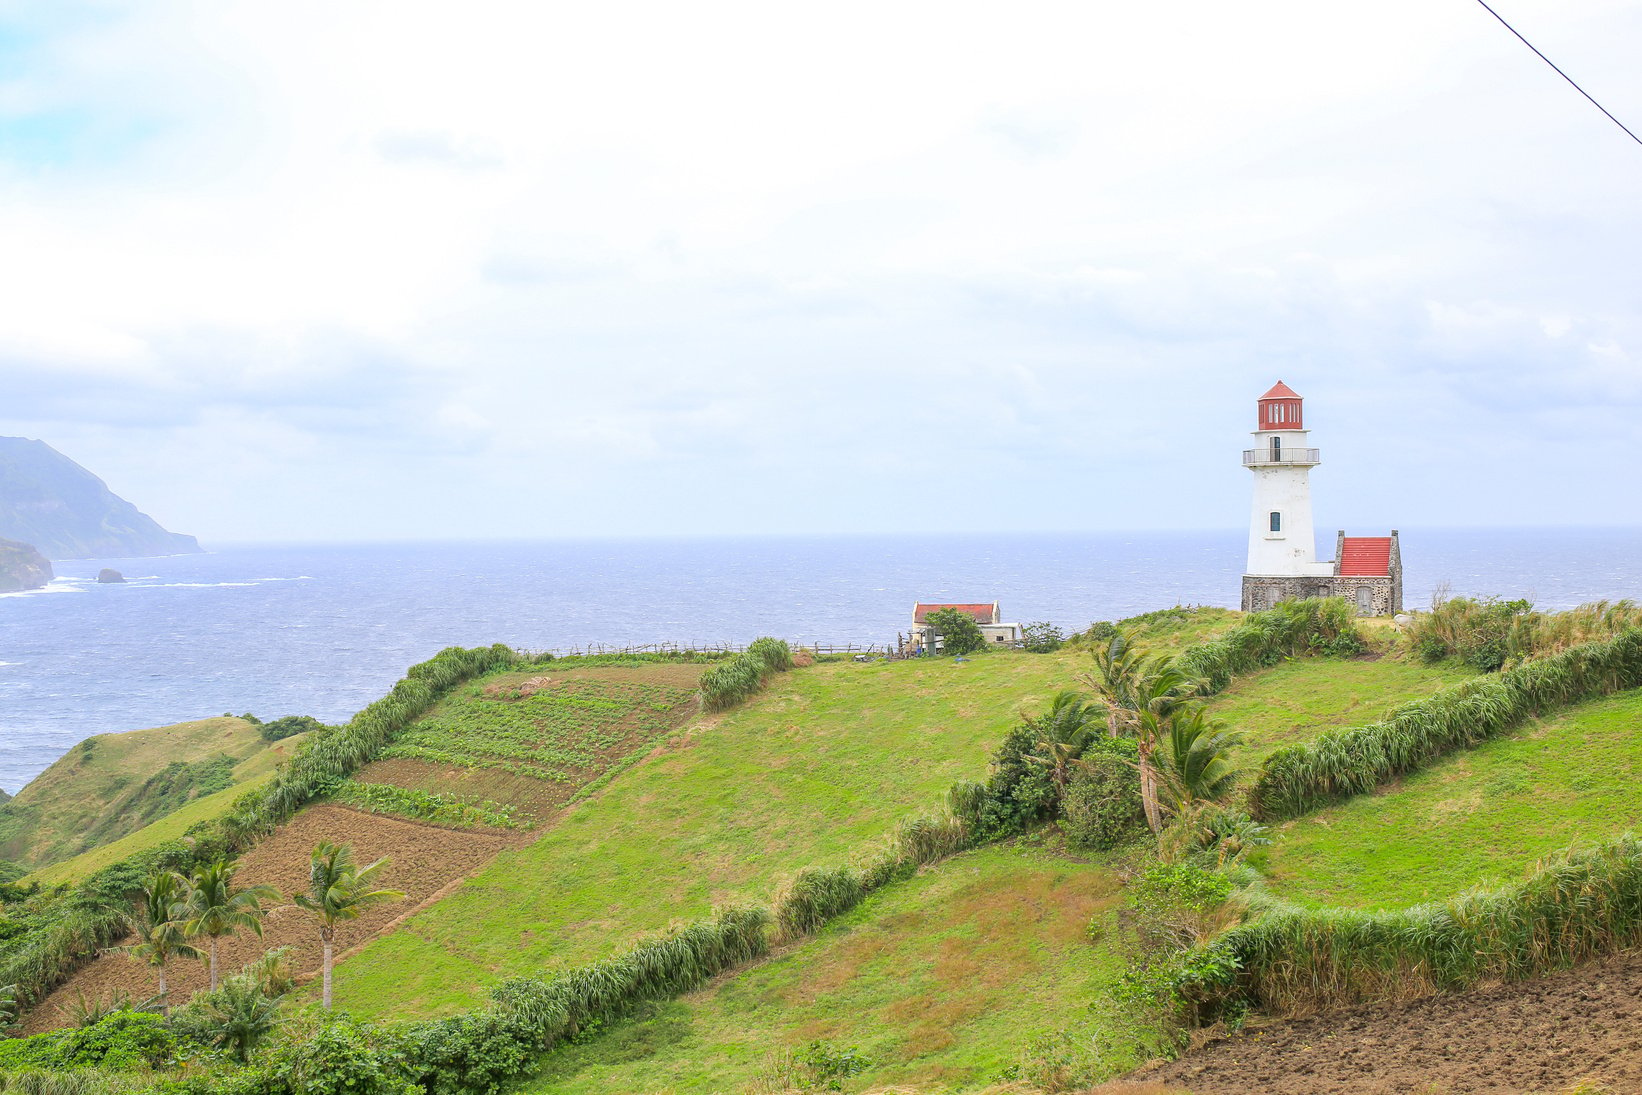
point(1276, 521)
point(1277, 448)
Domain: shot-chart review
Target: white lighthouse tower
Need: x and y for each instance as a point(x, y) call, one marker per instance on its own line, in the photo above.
point(1282, 542)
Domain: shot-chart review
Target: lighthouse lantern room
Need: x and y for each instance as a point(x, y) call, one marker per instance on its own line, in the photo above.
point(1282, 562)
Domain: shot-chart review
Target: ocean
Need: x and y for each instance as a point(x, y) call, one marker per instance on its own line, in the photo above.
point(323, 630)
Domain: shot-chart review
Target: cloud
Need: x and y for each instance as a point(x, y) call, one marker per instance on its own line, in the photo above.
point(526, 269)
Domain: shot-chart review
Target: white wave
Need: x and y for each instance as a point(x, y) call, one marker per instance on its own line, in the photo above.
point(202, 585)
point(298, 578)
point(56, 585)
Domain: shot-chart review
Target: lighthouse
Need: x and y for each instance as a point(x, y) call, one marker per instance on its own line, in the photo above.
point(1282, 562)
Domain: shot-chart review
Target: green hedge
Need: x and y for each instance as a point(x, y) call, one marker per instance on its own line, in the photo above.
point(740, 678)
point(1292, 628)
point(1295, 960)
point(1340, 763)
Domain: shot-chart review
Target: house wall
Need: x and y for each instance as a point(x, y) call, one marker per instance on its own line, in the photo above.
point(1383, 596)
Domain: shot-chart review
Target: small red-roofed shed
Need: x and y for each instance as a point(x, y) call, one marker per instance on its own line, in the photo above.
point(982, 613)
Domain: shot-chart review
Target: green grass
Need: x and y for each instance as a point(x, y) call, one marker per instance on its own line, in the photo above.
point(110, 784)
point(1290, 702)
point(943, 981)
point(816, 770)
point(555, 734)
point(170, 827)
point(1480, 817)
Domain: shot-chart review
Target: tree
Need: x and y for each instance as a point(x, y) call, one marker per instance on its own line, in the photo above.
point(158, 927)
point(240, 1015)
point(213, 908)
point(1194, 756)
point(339, 890)
point(1062, 733)
point(1135, 684)
point(958, 631)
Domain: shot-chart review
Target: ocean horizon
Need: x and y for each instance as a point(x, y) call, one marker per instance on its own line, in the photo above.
point(278, 629)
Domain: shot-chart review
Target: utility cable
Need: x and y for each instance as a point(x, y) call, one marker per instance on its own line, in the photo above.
point(1559, 72)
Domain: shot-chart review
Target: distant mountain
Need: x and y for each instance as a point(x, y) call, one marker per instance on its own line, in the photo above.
point(49, 501)
point(21, 567)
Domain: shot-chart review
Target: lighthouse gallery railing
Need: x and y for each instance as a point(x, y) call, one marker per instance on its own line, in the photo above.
point(1252, 457)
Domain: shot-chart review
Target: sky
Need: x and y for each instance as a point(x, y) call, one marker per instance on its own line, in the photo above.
point(381, 271)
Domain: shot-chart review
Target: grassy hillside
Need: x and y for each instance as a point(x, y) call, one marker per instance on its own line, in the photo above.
point(943, 982)
point(1485, 815)
point(249, 773)
point(112, 784)
point(1292, 701)
point(815, 770)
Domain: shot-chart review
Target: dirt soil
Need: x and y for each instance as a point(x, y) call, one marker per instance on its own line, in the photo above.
point(423, 861)
point(1546, 1035)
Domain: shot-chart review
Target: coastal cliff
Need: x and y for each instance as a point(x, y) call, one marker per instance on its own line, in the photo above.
point(66, 512)
point(22, 567)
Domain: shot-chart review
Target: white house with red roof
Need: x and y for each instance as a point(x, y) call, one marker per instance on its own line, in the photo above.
point(988, 616)
point(1283, 563)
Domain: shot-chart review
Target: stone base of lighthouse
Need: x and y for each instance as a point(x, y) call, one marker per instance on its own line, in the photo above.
point(1369, 596)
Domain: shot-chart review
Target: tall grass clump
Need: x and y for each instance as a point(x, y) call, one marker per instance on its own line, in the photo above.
point(1294, 961)
point(1292, 628)
point(1340, 763)
point(816, 896)
point(1488, 634)
point(732, 682)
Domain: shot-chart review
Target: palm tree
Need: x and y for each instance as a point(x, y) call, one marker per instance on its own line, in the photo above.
point(160, 935)
point(339, 890)
point(1063, 732)
point(1194, 756)
point(1140, 690)
point(241, 1016)
point(213, 908)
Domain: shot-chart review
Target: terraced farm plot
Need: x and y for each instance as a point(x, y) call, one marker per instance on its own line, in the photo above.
point(1291, 702)
point(1478, 817)
point(521, 744)
point(941, 983)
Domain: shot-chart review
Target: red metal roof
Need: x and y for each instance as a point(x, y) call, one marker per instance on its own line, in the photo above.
point(1366, 556)
point(984, 614)
point(1280, 390)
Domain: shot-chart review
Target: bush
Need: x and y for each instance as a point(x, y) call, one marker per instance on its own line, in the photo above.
point(1102, 804)
point(816, 896)
point(1043, 637)
point(956, 632)
point(729, 683)
point(289, 726)
point(120, 1040)
point(1293, 628)
point(341, 1057)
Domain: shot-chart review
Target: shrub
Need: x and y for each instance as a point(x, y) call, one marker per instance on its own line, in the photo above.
point(1043, 637)
point(957, 632)
point(1102, 802)
point(341, 1057)
point(816, 896)
point(1340, 763)
point(729, 683)
point(1319, 626)
point(289, 726)
point(122, 1039)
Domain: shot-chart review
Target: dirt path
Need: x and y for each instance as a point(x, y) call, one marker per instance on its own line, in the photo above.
point(423, 861)
point(1537, 1036)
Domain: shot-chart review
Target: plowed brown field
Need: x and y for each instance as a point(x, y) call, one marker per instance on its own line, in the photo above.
point(423, 861)
point(1547, 1035)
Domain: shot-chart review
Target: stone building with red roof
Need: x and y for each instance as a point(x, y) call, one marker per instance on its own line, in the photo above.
point(1282, 563)
point(988, 616)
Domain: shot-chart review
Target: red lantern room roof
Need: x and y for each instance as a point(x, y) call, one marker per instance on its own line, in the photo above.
point(1280, 409)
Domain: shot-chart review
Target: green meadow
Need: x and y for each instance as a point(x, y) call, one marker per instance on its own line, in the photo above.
point(1482, 816)
point(1292, 701)
point(815, 771)
point(946, 981)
